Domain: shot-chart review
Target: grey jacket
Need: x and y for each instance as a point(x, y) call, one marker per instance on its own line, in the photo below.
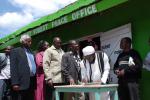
point(70, 68)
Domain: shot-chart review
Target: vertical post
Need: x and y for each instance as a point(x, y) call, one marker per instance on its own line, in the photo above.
point(116, 95)
point(57, 95)
point(97, 96)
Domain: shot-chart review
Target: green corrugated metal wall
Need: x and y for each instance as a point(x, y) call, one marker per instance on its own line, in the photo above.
point(135, 12)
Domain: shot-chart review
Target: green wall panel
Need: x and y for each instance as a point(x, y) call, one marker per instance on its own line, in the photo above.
point(135, 12)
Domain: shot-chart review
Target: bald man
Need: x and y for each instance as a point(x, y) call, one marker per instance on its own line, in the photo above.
point(52, 66)
point(95, 69)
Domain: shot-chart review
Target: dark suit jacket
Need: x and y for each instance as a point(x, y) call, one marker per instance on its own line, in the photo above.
point(19, 68)
point(70, 68)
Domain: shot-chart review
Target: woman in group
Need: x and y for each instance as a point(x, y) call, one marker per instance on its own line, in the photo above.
point(40, 91)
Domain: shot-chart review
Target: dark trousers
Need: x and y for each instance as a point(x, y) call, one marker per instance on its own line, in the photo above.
point(50, 95)
point(23, 95)
point(128, 91)
point(134, 91)
point(27, 94)
point(5, 89)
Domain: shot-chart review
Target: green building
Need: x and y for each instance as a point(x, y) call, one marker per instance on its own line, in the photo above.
point(95, 19)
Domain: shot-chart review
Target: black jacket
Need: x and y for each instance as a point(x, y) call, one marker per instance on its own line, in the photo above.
point(132, 73)
point(19, 68)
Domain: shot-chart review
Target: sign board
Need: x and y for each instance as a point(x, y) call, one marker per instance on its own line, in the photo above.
point(75, 15)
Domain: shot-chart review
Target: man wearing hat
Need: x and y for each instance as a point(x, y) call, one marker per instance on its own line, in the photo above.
point(94, 67)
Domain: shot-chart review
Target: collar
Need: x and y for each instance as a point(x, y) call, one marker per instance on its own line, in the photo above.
point(53, 47)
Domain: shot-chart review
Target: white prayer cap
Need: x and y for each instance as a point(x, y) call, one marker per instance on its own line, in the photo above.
point(88, 50)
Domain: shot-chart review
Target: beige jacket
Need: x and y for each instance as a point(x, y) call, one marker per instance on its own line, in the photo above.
point(52, 64)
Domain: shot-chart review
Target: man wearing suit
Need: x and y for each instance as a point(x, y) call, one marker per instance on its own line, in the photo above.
point(71, 65)
point(23, 69)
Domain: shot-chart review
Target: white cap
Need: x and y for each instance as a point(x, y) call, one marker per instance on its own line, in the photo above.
point(88, 50)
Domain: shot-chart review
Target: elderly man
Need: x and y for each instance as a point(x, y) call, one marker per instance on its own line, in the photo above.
point(23, 70)
point(95, 68)
point(5, 74)
point(52, 66)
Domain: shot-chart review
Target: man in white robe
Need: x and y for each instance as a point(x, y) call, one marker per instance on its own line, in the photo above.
point(95, 69)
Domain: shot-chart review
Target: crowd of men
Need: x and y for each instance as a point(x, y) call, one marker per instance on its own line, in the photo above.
point(28, 76)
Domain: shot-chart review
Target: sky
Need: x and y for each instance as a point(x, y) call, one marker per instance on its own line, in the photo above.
point(15, 14)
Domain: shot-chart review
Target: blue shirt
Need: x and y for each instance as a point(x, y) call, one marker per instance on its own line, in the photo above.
point(31, 62)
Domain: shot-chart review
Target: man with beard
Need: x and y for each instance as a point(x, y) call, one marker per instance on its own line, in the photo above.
point(95, 69)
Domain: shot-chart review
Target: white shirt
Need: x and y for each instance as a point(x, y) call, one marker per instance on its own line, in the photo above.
point(77, 58)
point(96, 74)
point(5, 72)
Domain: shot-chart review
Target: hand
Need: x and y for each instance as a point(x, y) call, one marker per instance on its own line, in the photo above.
point(122, 72)
point(117, 72)
point(84, 80)
point(16, 87)
point(98, 81)
point(50, 83)
point(72, 82)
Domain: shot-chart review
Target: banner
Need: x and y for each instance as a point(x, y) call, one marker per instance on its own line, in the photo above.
point(110, 43)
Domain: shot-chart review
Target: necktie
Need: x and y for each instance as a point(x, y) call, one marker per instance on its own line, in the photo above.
point(31, 58)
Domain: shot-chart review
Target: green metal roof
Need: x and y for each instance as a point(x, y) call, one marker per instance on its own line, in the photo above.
point(49, 21)
point(50, 17)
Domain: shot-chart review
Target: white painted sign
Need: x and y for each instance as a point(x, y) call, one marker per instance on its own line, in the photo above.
point(76, 15)
point(60, 21)
point(38, 30)
point(84, 12)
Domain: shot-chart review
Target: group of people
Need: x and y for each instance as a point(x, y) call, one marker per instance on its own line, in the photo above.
point(25, 76)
